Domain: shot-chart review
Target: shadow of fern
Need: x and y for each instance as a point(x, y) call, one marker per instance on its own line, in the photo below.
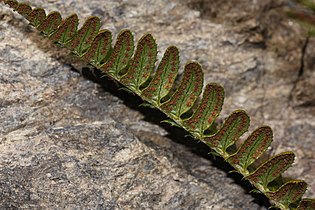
point(177, 135)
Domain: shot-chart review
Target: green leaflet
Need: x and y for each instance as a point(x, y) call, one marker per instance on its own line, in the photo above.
point(121, 55)
point(37, 16)
point(306, 204)
point(24, 10)
point(95, 47)
point(253, 147)
point(12, 3)
point(233, 127)
point(288, 193)
point(50, 24)
point(99, 49)
point(272, 169)
point(66, 30)
point(164, 77)
point(207, 111)
point(84, 37)
point(187, 93)
point(142, 65)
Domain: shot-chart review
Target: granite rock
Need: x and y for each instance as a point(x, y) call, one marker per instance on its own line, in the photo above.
point(69, 142)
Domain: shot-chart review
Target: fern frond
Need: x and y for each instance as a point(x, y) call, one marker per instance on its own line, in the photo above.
point(135, 70)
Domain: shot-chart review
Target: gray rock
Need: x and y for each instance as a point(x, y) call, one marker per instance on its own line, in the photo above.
point(70, 143)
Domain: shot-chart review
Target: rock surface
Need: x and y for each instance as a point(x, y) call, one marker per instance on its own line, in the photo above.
point(67, 142)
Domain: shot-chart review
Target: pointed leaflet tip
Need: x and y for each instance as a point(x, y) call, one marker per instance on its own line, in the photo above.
point(187, 93)
point(120, 56)
point(66, 30)
point(146, 104)
point(208, 110)
point(171, 122)
point(164, 77)
point(288, 193)
point(83, 39)
point(99, 49)
point(253, 147)
point(142, 64)
point(233, 127)
point(271, 169)
point(50, 24)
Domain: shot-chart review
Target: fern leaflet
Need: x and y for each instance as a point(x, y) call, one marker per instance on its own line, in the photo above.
point(136, 72)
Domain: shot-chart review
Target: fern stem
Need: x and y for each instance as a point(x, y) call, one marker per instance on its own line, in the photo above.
point(113, 62)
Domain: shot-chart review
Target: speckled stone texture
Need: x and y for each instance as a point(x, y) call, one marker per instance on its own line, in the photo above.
point(70, 142)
